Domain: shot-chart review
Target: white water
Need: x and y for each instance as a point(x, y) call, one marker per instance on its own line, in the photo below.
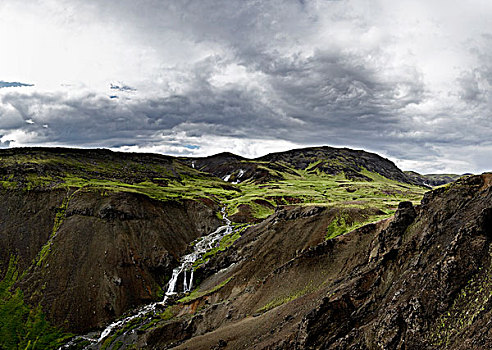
point(142, 312)
point(239, 175)
point(202, 245)
point(227, 177)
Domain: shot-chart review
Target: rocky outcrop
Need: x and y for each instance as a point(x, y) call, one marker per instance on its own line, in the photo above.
point(429, 278)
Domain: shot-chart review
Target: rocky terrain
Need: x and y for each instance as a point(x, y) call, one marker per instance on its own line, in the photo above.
point(88, 236)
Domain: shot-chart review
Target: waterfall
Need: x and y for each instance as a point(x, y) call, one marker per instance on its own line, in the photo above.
point(172, 282)
point(191, 281)
point(185, 284)
point(201, 246)
point(239, 175)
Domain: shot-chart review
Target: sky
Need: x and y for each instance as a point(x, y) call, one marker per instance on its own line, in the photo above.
point(408, 79)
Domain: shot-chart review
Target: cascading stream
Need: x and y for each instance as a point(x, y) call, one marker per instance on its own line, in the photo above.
point(201, 246)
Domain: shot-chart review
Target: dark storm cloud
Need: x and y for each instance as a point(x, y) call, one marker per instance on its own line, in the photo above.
point(339, 95)
point(346, 73)
point(324, 99)
point(93, 119)
point(321, 99)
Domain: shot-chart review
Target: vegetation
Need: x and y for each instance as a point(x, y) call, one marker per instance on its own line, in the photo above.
point(59, 217)
point(165, 178)
point(197, 293)
point(282, 300)
point(305, 188)
point(224, 243)
point(23, 327)
point(340, 225)
point(468, 304)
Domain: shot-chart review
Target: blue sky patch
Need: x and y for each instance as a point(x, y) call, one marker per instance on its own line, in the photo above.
point(7, 84)
point(192, 146)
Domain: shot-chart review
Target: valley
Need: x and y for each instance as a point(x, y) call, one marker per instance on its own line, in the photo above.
point(325, 248)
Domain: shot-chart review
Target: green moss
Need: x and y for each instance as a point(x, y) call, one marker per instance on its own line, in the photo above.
point(23, 327)
point(261, 211)
point(59, 217)
point(285, 299)
point(336, 228)
point(196, 294)
point(340, 226)
point(37, 181)
point(326, 190)
point(467, 305)
point(8, 185)
point(117, 345)
point(167, 314)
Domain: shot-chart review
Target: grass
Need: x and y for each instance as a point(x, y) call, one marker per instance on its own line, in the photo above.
point(167, 179)
point(326, 190)
point(59, 217)
point(282, 300)
point(197, 293)
point(340, 226)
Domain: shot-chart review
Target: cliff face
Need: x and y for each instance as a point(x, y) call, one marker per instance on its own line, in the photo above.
point(425, 282)
point(87, 257)
point(421, 280)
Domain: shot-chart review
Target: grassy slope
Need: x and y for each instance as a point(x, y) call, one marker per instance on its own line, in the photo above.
point(307, 188)
point(172, 180)
point(165, 178)
point(22, 326)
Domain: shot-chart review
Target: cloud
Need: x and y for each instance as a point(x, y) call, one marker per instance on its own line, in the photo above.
point(409, 80)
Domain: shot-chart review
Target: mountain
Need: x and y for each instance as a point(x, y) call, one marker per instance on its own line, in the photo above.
point(315, 160)
point(87, 236)
point(323, 175)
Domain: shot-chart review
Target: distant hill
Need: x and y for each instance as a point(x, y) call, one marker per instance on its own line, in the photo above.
point(433, 180)
point(314, 160)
